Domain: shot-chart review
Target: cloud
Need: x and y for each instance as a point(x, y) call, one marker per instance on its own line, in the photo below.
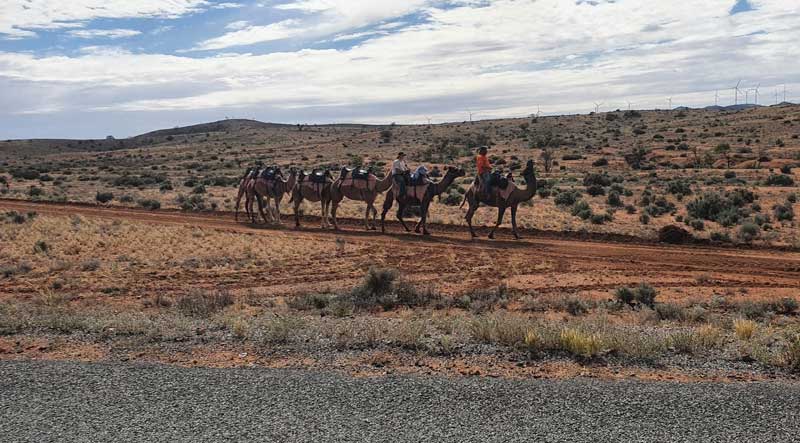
point(20, 18)
point(104, 33)
point(499, 59)
point(241, 24)
point(317, 18)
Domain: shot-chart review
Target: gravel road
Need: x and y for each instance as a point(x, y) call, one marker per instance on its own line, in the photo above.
point(70, 402)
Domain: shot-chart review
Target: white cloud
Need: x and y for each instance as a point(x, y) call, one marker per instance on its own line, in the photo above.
point(104, 33)
point(241, 24)
point(498, 60)
point(320, 18)
point(20, 18)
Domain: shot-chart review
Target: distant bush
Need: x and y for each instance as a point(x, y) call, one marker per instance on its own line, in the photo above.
point(643, 294)
point(784, 212)
point(24, 173)
point(567, 198)
point(614, 199)
point(722, 208)
point(779, 180)
point(198, 303)
point(748, 232)
point(602, 161)
point(595, 190)
point(582, 209)
point(104, 197)
point(597, 179)
point(150, 204)
point(679, 188)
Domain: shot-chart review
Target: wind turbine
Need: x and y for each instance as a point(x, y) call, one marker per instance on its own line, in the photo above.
point(669, 100)
point(429, 120)
point(756, 91)
point(629, 105)
point(736, 93)
point(784, 92)
point(597, 107)
point(776, 95)
point(716, 97)
point(747, 96)
point(470, 115)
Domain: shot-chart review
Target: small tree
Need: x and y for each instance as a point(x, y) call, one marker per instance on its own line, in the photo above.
point(548, 155)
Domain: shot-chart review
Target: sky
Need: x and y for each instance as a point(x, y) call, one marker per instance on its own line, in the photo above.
point(92, 68)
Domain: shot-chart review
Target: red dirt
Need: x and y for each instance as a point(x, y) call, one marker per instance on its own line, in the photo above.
point(453, 262)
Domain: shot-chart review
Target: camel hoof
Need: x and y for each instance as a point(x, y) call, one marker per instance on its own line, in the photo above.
point(491, 236)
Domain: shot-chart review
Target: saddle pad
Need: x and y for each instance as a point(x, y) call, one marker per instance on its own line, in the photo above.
point(505, 193)
point(412, 191)
point(314, 187)
point(357, 183)
point(360, 174)
point(318, 177)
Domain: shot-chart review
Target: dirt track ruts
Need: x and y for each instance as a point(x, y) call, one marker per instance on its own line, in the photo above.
point(541, 263)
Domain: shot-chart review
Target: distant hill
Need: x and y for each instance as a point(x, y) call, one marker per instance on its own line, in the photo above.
point(230, 125)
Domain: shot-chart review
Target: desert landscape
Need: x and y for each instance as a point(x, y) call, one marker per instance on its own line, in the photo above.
point(381, 221)
point(680, 263)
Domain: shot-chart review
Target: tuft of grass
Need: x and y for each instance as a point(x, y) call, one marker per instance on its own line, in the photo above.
point(579, 343)
point(791, 355)
point(198, 303)
point(744, 328)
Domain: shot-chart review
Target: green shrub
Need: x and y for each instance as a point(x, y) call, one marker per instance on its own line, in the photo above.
point(784, 212)
point(601, 180)
point(595, 190)
point(150, 204)
point(779, 180)
point(582, 209)
point(643, 294)
point(748, 232)
point(721, 237)
point(567, 198)
point(614, 199)
point(104, 197)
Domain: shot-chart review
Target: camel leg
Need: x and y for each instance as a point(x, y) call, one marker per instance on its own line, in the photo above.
point(400, 211)
point(374, 215)
point(260, 202)
point(297, 200)
point(500, 211)
point(514, 221)
point(423, 220)
point(324, 218)
point(334, 208)
point(470, 213)
point(238, 200)
point(278, 209)
point(387, 204)
point(366, 218)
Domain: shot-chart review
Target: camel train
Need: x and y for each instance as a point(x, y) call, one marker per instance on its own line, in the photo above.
point(267, 187)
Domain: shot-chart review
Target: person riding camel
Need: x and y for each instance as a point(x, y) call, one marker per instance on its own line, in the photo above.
point(484, 169)
point(400, 171)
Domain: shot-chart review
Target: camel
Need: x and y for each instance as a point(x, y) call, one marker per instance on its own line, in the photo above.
point(306, 189)
point(515, 196)
point(244, 183)
point(422, 196)
point(360, 190)
point(275, 189)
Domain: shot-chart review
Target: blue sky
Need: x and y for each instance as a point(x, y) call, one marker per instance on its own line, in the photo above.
point(90, 68)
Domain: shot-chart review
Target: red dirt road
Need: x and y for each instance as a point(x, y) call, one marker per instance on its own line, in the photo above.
point(541, 263)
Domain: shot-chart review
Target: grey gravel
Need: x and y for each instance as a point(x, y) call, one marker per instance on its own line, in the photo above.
point(76, 402)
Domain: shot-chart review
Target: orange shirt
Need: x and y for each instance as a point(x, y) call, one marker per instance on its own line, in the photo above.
point(483, 164)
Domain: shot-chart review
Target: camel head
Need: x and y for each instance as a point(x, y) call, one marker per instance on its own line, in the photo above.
point(528, 171)
point(454, 171)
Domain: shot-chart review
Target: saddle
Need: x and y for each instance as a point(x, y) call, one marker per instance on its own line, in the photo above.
point(355, 173)
point(503, 183)
point(271, 173)
point(417, 180)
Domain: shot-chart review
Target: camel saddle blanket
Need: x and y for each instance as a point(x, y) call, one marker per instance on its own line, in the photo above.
point(366, 184)
point(505, 193)
point(412, 191)
point(315, 187)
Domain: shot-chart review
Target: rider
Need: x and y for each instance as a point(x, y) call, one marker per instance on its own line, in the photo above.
point(484, 169)
point(400, 171)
